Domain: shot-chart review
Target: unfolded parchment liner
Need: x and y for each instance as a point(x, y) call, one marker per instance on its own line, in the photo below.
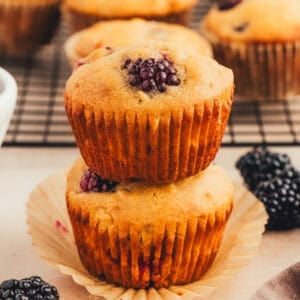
point(51, 233)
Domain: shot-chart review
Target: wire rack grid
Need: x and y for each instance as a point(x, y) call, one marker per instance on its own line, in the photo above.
point(40, 120)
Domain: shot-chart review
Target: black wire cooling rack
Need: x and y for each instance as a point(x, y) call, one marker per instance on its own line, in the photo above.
point(40, 120)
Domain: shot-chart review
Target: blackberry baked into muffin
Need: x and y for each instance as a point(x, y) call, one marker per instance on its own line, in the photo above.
point(123, 33)
point(25, 25)
point(151, 113)
point(260, 41)
point(141, 236)
point(81, 13)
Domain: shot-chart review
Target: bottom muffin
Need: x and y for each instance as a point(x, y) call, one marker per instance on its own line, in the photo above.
point(141, 236)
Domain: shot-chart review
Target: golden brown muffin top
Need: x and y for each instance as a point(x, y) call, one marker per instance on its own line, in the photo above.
point(255, 21)
point(105, 84)
point(130, 8)
point(123, 33)
point(207, 192)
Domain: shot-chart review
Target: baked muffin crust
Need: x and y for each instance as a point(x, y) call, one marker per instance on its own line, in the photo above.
point(154, 204)
point(107, 85)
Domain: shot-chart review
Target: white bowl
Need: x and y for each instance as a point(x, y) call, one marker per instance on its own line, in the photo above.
point(8, 98)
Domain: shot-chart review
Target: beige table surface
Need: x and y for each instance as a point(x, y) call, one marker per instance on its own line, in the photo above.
point(21, 169)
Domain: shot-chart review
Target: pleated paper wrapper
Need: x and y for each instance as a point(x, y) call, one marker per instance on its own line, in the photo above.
point(51, 232)
point(266, 71)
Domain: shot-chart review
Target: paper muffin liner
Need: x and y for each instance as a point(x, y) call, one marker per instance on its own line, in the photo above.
point(79, 20)
point(144, 147)
point(27, 25)
point(171, 253)
point(263, 71)
point(52, 235)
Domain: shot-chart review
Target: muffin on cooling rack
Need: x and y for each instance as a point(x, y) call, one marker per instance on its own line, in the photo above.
point(25, 25)
point(141, 236)
point(123, 33)
point(153, 113)
point(81, 14)
point(260, 41)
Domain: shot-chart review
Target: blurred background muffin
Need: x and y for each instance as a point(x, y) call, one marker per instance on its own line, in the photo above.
point(25, 25)
point(82, 13)
point(260, 41)
point(122, 33)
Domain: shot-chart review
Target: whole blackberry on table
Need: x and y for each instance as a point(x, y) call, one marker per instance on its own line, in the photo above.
point(31, 288)
point(261, 165)
point(275, 182)
point(281, 197)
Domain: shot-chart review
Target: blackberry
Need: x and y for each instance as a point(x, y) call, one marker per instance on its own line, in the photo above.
point(228, 4)
point(151, 74)
point(281, 197)
point(242, 27)
point(91, 182)
point(261, 165)
point(31, 288)
point(78, 64)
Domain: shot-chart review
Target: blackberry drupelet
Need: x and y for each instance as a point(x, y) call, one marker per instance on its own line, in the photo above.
point(262, 165)
point(31, 288)
point(281, 197)
point(228, 4)
point(151, 74)
point(91, 182)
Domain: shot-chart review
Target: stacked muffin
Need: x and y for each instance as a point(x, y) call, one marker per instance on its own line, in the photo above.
point(146, 205)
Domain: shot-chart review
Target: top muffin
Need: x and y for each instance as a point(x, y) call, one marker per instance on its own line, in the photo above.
point(254, 20)
point(153, 113)
point(130, 8)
